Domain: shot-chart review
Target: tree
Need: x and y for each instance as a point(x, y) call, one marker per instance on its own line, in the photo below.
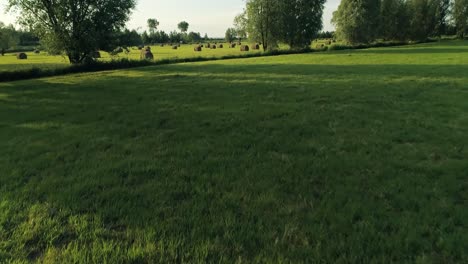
point(301, 20)
point(206, 38)
point(193, 37)
point(423, 19)
point(183, 26)
point(145, 38)
point(153, 24)
point(460, 15)
point(130, 39)
point(442, 12)
point(8, 36)
point(394, 20)
point(240, 24)
point(356, 21)
point(78, 28)
point(262, 22)
point(230, 35)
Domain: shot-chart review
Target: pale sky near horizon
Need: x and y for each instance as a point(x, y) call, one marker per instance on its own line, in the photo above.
point(205, 16)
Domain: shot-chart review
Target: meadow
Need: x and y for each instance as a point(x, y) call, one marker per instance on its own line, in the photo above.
point(9, 62)
point(338, 157)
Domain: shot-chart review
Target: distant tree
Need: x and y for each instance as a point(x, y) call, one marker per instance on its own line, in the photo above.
point(153, 24)
point(230, 35)
point(263, 22)
point(78, 28)
point(442, 13)
point(145, 38)
point(130, 38)
point(8, 36)
point(423, 19)
point(301, 21)
point(175, 37)
point(240, 25)
point(206, 38)
point(183, 26)
point(193, 37)
point(357, 21)
point(460, 15)
point(394, 20)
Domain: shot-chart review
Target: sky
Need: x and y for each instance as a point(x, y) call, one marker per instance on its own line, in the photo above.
point(205, 16)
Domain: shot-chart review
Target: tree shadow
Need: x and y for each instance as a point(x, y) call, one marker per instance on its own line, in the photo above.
point(182, 147)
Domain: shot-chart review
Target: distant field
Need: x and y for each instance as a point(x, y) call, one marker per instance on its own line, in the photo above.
point(42, 60)
point(338, 157)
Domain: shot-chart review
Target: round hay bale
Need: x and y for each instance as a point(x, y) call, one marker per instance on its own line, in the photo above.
point(328, 42)
point(21, 56)
point(96, 55)
point(213, 46)
point(140, 47)
point(201, 45)
point(208, 45)
point(198, 48)
point(320, 46)
point(244, 48)
point(220, 46)
point(36, 51)
point(174, 47)
point(162, 45)
point(255, 47)
point(146, 54)
point(233, 45)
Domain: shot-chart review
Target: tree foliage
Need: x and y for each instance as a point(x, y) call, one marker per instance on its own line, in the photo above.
point(231, 35)
point(357, 21)
point(295, 22)
point(460, 15)
point(183, 26)
point(77, 27)
point(153, 25)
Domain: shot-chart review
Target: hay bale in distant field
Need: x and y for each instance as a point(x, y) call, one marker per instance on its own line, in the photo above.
point(36, 51)
point(208, 45)
point(201, 45)
point(178, 45)
point(162, 45)
point(319, 46)
point(213, 46)
point(220, 46)
point(146, 54)
point(21, 56)
point(174, 47)
point(140, 47)
point(198, 48)
point(233, 45)
point(244, 48)
point(328, 42)
point(255, 47)
point(239, 43)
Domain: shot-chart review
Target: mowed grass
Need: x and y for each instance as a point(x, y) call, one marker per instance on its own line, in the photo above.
point(9, 62)
point(345, 157)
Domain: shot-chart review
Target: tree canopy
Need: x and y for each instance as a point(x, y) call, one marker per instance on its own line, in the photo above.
point(77, 27)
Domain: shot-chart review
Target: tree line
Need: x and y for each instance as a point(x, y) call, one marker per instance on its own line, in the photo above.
point(80, 28)
point(364, 21)
point(10, 37)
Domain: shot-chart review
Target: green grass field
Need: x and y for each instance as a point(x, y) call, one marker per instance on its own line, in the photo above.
point(9, 62)
point(337, 157)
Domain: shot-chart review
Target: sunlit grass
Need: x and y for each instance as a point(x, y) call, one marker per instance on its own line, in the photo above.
point(343, 157)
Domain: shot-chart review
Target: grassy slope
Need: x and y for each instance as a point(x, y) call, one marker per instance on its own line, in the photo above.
point(10, 63)
point(337, 157)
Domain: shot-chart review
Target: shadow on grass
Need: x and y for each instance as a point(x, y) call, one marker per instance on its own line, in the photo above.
point(234, 155)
